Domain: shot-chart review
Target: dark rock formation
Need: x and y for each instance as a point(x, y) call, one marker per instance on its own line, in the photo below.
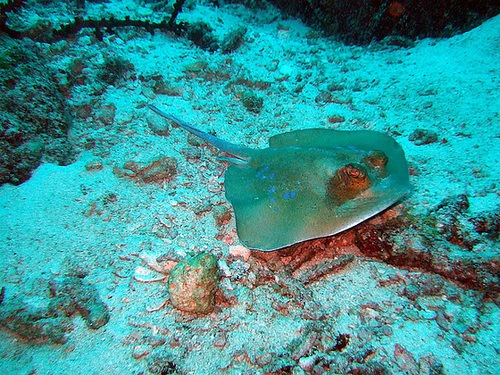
point(34, 116)
point(361, 21)
point(70, 295)
point(444, 242)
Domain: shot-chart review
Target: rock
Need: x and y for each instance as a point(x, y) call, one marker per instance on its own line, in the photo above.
point(193, 282)
point(140, 351)
point(458, 344)
point(106, 115)
point(336, 119)
point(370, 368)
point(69, 296)
point(114, 70)
point(425, 285)
point(423, 137)
point(307, 363)
point(158, 170)
point(162, 87)
point(35, 116)
point(252, 102)
point(281, 364)
point(405, 360)
point(34, 326)
point(221, 340)
point(487, 223)
point(164, 363)
point(158, 126)
point(328, 266)
point(431, 285)
point(155, 341)
point(222, 216)
point(201, 34)
point(72, 295)
point(233, 40)
point(94, 165)
point(412, 291)
point(323, 97)
point(443, 242)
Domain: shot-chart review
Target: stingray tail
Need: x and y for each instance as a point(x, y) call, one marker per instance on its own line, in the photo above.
point(240, 152)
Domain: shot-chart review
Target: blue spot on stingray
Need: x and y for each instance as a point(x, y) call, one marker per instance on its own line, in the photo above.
point(272, 200)
point(276, 208)
point(262, 171)
point(272, 176)
point(271, 190)
point(289, 194)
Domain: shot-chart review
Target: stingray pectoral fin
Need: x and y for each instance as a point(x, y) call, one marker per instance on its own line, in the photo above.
point(260, 226)
point(363, 140)
point(238, 151)
point(281, 196)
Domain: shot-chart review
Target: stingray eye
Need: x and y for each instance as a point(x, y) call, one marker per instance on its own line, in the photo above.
point(355, 171)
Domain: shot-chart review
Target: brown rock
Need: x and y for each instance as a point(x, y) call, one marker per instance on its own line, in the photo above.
point(140, 351)
point(222, 216)
point(193, 282)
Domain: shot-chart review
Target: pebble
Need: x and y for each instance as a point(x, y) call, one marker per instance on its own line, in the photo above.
point(156, 341)
point(286, 70)
point(140, 351)
point(442, 322)
point(423, 137)
point(221, 340)
point(307, 363)
point(387, 330)
point(428, 314)
point(222, 216)
point(265, 359)
point(157, 125)
point(94, 165)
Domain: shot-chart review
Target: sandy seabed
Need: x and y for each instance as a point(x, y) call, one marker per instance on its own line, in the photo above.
point(100, 221)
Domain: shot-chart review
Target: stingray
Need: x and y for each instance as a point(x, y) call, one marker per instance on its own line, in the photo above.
point(308, 183)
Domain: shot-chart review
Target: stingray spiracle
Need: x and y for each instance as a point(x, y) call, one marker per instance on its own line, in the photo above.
point(378, 160)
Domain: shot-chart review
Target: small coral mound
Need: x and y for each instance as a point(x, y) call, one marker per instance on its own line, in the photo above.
point(192, 284)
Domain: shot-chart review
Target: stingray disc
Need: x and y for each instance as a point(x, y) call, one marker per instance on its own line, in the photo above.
point(314, 183)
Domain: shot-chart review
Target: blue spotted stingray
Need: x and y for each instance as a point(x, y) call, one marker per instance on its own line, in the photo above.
point(308, 183)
